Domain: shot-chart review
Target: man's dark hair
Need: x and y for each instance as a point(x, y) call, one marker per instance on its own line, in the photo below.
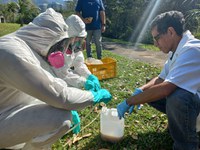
point(165, 20)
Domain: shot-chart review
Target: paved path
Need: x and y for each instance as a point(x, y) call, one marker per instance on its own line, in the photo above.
point(147, 56)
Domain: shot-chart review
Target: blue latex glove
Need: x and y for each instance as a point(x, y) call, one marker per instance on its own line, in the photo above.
point(96, 82)
point(137, 91)
point(101, 95)
point(76, 120)
point(89, 85)
point(122, 108)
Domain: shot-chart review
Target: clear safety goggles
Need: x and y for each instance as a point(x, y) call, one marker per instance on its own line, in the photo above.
point(59, 46)
point(77, 44)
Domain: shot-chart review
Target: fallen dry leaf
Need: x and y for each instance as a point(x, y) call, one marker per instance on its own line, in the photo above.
point(76, 139)
point(135, 137)
point(96, 109)
point(87, 135)
point(137, 121)
point(68, 142)
point(102, 104)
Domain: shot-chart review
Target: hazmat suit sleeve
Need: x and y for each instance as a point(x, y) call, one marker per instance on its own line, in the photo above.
point(24, 72)
point(80, 66)
point(77, 76)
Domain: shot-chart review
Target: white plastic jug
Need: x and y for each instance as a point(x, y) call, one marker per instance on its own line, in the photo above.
point(112, 128)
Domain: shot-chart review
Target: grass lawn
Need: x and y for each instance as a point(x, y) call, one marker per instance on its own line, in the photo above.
point(6, 28)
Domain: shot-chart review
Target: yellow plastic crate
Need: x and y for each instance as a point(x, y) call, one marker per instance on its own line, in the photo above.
point(104, 71)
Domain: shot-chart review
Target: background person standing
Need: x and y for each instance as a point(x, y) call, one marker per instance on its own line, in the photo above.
point(92, 12)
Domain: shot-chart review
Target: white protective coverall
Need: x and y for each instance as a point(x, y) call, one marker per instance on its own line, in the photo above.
point(77, 76)
point(35, 106)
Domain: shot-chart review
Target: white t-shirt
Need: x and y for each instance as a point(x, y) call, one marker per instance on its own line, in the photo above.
point(183, 67)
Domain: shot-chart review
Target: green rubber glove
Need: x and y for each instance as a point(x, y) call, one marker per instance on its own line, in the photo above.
point(76, 122)
point(96, 82)
point(101, 95)
point(89, 85)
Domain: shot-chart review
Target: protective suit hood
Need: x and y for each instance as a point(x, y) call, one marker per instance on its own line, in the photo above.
point(44, 31)
point(76, 26)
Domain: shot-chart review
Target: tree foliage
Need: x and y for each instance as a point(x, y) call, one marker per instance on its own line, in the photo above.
point(193, 19)
point(22, 11)
point(123, 16)
point(12, 9)
point(27, 11)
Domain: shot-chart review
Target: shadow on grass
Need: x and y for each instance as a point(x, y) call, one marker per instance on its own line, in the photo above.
point(144, 141)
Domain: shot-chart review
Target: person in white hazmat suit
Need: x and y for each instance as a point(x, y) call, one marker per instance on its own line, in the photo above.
point(68, 64)
point(35, 105)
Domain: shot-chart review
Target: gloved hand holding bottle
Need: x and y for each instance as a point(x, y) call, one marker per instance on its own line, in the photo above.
point(123, 107)
point(92, 80)
point(76, 122)
point(101, 95)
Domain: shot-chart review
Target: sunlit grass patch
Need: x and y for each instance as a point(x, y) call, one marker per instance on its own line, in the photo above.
point(6, 28)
